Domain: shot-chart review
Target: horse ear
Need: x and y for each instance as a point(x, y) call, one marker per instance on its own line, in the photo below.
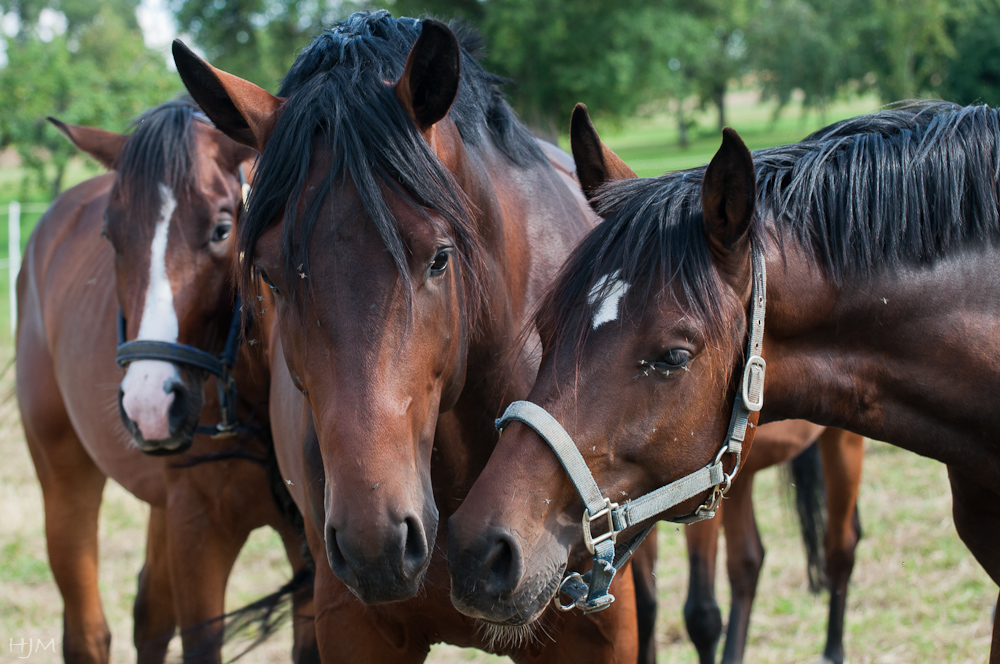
point(243, 111)
point(429, 82)
point(595, 162)
point(728, 196)
point(100, 144)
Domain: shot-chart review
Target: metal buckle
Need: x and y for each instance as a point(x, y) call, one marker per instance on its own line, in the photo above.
point(223, 431)
point(588, 538)
point(566, 586)
point(753, 383)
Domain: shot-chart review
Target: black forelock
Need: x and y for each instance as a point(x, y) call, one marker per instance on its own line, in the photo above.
point(340, 96)
point(906, 185)
point(159, 150)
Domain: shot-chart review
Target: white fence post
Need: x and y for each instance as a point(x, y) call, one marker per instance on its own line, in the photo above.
point(14, 252)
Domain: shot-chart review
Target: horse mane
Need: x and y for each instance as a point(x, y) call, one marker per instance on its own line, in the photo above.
point(903, 186)
point(159, 150)
point(340, 96)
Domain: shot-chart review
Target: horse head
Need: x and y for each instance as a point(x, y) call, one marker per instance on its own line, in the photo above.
point(170, 218)
point(628, 360)
point(359, 226)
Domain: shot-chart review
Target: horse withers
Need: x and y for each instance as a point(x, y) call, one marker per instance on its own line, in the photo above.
point(405, 223)
point(872, 248)
point(166, 212)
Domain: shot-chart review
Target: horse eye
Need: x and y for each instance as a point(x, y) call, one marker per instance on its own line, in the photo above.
point(440, 263)
point(267, 280)
point(221, 231)
point(675, 358)
point(104, 234)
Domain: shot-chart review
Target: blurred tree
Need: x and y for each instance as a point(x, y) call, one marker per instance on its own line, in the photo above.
point(78, 13)
point(471, 11)
point(973, 75)
point(906, 44)
point(800, 45)
point(718, 47)
point(97, 72)
point(606, 53)
point(255, 39)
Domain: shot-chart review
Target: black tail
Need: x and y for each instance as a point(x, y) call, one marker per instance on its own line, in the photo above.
point(810, 502)
point(258, 621)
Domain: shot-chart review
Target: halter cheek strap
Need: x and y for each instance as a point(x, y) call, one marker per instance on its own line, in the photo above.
point(589, 591)
point(220, 366)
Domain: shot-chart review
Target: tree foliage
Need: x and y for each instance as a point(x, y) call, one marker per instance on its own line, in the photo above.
point(258, 39)
point(798, 45)
point(973, 75)
point(615, 55)
point(97, 72)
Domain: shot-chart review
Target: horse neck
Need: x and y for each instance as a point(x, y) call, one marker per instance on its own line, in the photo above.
point(529, 220)
point(902, 357)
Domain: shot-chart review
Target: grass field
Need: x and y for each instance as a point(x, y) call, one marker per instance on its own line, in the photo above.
point(917, 594)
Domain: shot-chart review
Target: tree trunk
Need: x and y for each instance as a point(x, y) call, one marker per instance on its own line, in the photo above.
point(57, 181)
point(719, 97)
point(683, 139)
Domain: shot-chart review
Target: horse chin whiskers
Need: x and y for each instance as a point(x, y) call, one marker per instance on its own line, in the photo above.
point(499, 638)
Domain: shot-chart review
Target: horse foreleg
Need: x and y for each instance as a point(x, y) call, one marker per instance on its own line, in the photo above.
point(744, 558)
point(702, 616)
point(995, 645)
point(153, 611)
point(203, 551)
point(842, 453)
point(976, 509)
point(644, 578)
point(305, 649)
point(72, 487)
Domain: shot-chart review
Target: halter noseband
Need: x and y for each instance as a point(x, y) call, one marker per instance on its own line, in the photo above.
point(589, 591)
point(220, 366)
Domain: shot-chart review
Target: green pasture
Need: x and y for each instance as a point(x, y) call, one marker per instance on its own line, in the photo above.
point(917, 594)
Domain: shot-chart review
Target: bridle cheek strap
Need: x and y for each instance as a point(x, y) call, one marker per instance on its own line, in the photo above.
point(589, 591)
point(220, 366)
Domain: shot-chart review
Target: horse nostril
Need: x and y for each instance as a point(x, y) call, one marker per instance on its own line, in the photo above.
point(414, 547)
point(126, 420)
point(333, 553)
point(504, 566)
point(177, 414)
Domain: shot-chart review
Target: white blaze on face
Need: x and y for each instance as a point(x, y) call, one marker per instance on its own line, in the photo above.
point(147, 387)
point(606, 295)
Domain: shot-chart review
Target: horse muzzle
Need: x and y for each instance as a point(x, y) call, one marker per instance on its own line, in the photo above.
point(158, 408)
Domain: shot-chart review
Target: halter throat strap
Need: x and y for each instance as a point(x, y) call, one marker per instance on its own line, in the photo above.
point(589, 591)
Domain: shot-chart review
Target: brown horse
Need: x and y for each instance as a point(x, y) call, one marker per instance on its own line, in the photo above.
point(406, 223)
point(872, 246)
point(842, 454)
point(167, 215)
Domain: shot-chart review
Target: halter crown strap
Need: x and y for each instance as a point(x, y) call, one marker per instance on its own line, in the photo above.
point(589, 591)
